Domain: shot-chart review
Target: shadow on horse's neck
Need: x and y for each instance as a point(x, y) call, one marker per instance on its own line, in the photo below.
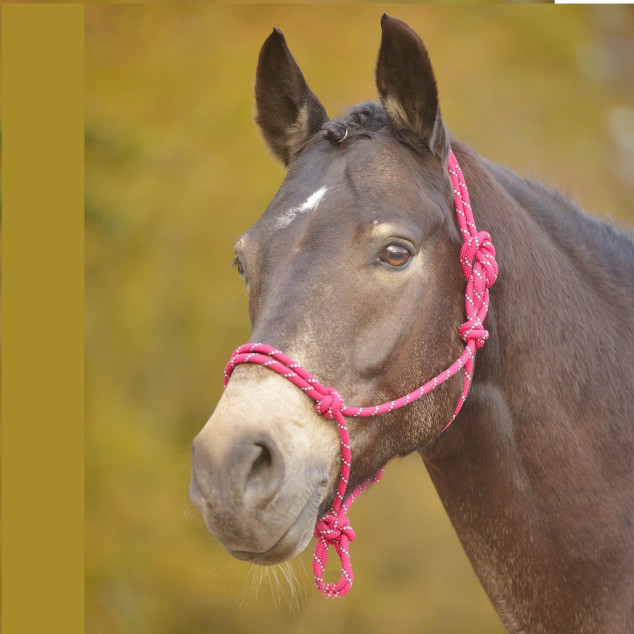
point(532, 469)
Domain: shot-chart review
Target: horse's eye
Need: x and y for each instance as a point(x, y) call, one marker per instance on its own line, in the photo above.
point(236, 262)
point(395, 256)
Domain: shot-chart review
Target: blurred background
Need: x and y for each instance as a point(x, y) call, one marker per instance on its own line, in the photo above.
point(176, 171)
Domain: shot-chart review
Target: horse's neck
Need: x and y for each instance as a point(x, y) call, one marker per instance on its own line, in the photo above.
point(535, 471)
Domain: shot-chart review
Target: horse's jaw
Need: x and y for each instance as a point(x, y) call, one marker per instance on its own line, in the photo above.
point(262, 468)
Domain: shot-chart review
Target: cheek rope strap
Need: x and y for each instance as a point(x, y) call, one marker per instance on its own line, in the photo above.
point(477, 258)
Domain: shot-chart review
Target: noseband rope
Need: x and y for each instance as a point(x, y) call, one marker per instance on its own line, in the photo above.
point(477, 257)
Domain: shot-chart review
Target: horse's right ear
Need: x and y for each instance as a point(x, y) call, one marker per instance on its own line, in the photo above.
point(288, 112)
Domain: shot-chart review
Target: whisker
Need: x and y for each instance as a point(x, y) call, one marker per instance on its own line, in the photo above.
point(283, 582)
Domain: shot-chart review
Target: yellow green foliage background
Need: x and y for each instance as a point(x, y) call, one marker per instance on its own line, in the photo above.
point(176, 170)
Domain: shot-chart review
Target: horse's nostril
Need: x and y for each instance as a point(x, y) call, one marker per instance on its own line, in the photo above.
point(266, 472)
point(261, 463)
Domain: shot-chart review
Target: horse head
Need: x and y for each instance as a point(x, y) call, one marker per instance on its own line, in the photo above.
point(353, 272)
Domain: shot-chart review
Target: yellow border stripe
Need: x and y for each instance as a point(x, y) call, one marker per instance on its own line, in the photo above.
point(42, 285)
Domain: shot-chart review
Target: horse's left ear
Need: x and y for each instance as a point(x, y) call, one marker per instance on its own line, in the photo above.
point(407, 87)
point(288, 112)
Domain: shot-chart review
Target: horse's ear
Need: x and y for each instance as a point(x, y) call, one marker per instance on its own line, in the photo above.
point(407, 87)
point(287, 110)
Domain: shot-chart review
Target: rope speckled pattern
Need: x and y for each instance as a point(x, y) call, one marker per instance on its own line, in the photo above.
point(477, 258)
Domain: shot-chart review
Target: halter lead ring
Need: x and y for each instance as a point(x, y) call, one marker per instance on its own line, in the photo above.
point(477, 258)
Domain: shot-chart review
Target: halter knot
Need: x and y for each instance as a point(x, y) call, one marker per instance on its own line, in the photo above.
point(473, 330)
point(333, 527)
point(330, 403)
point(480, 269)
point(478, 249)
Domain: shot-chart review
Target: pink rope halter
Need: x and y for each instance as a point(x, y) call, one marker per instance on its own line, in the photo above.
point(477, 257)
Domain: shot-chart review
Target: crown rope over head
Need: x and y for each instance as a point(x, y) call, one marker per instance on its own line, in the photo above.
point(477, 258)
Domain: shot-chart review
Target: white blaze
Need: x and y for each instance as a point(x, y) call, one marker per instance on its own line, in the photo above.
point(310, 204)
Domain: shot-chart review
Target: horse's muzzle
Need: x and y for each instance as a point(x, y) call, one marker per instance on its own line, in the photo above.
point(262, 466)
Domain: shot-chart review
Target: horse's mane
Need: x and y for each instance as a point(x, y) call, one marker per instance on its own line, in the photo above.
point(570, 226)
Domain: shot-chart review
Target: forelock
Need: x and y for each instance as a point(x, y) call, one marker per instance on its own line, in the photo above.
point(361, 121)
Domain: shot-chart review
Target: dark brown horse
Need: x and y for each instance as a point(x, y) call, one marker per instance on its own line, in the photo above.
point(353, 271)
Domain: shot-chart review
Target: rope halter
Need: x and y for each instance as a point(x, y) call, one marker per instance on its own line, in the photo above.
point(477, 257)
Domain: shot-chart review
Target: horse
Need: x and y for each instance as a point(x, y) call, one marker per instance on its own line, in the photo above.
point(353, 271)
